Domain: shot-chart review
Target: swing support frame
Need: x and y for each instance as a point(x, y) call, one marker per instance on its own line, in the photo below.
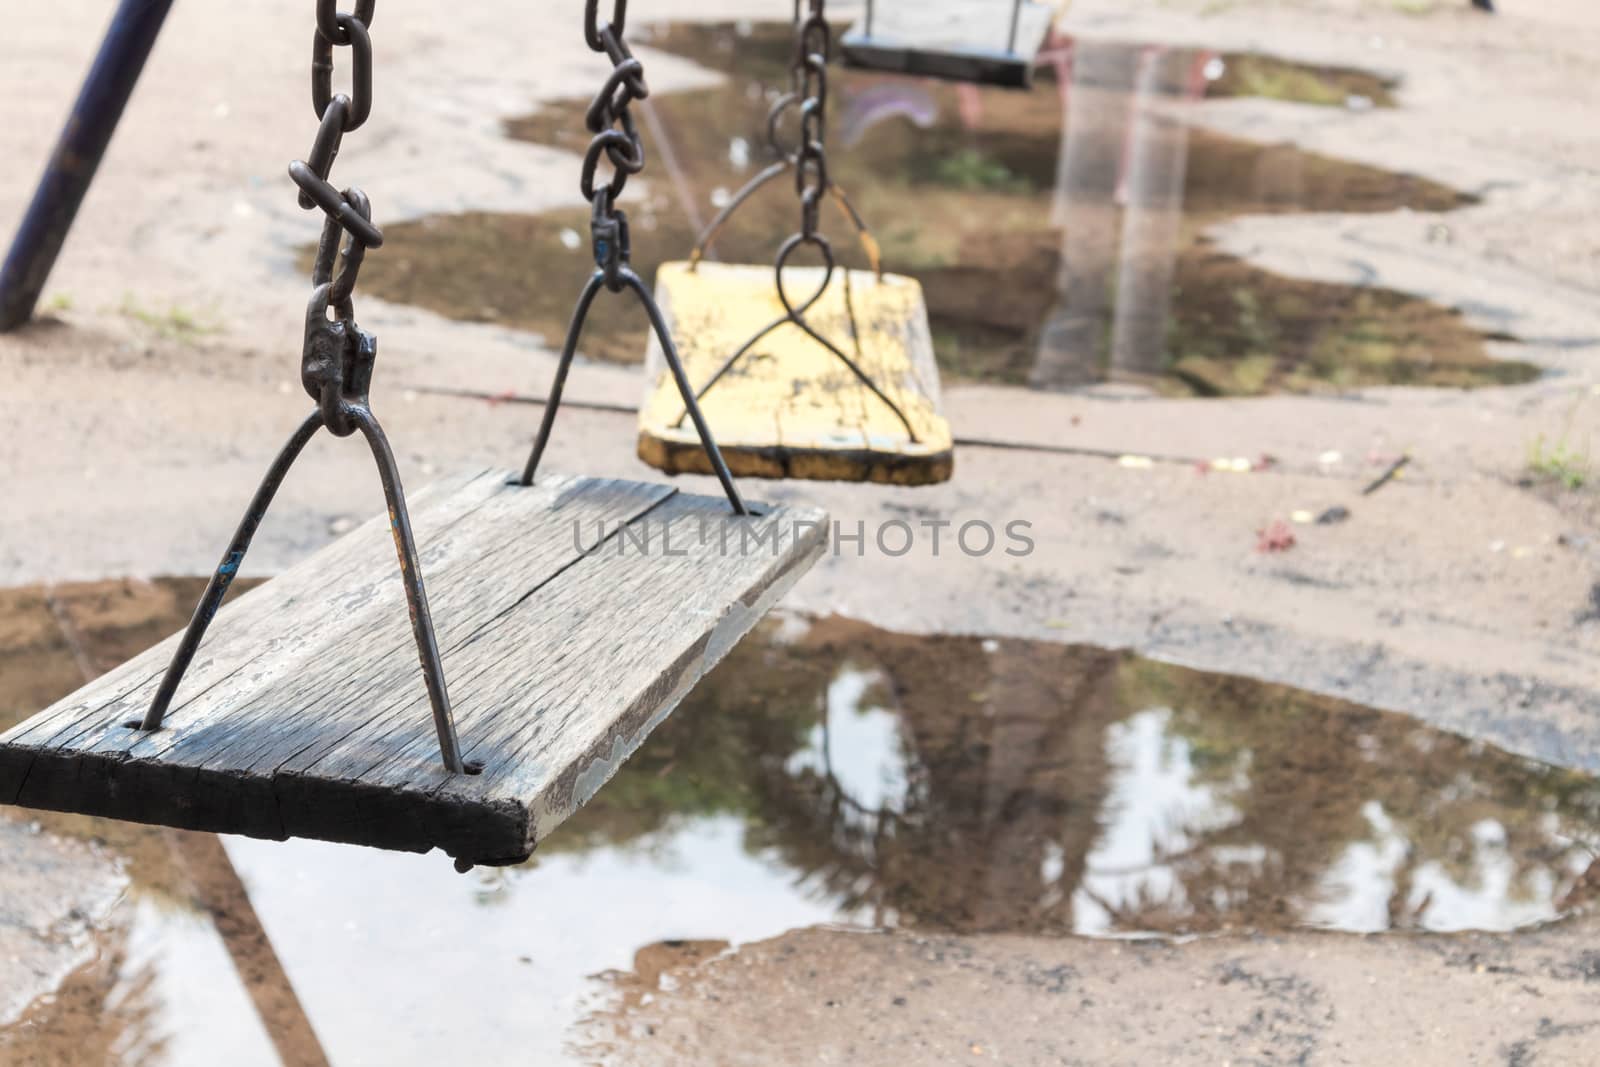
point(71, 168)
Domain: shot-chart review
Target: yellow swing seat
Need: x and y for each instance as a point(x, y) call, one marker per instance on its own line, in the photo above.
point(790, 408)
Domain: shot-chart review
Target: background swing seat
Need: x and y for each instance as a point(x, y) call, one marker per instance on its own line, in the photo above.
point(789, 408)
point(569, 631)
point(960, 40)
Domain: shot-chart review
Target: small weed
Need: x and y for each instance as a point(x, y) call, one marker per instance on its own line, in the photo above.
point(972, 170)
point(1559, 462)
point(175, 324)
point(58, 304)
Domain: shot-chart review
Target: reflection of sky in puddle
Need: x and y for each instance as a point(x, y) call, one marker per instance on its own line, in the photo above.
point(1361, 888)
point(506, 954)
point(203, 1014)
point(424, 955)
point(510, 955)
point(960, 784)
point(1154, 810)
point(859, 745)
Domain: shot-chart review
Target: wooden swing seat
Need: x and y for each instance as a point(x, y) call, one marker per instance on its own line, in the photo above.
point(790, 408)
point(569, 629)
point(960, 40)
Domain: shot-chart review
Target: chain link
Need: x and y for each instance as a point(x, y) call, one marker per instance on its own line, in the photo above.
point(359, 102)
point(338, 114)
point(328, 18)
point(808, 75)
point(808, 92)
point(337, 359)
point(616, 139)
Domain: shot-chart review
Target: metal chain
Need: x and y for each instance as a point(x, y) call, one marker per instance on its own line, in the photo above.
point(336, 364)
point(338, 114)
point(616, 138)
point(808, 89)
point(808, 75)
point(807, 93)
point(333, 369)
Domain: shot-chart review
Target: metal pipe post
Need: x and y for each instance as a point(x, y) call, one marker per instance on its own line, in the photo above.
point(76, 157)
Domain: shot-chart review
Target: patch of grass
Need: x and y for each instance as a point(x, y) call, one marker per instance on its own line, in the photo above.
point(177, 323)
point(1272, 78)
point(1559, 461)
point(58, 304)
point(973, 170)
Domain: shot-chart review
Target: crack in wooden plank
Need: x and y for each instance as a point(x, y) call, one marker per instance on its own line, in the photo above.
point(477, 631)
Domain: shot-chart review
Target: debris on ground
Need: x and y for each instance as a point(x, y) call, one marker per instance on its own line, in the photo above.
point(1391, 472)
point(1334, 515)
point(1275, 537)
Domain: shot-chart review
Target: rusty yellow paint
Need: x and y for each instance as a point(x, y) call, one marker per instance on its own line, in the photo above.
point(789, 408)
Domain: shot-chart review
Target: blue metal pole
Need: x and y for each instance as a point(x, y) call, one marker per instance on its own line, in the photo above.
point(76, 157)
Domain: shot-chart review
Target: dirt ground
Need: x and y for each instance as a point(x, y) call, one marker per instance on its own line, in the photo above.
point(836, 997)
point(138, 412)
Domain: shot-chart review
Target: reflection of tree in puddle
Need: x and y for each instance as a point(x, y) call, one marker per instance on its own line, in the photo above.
point(1010, 785)
point(975, 193)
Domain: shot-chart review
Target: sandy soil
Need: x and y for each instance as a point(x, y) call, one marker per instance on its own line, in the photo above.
point(131, 439)
point(836, 997)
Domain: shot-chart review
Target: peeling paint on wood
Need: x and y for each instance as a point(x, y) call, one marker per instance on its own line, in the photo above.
point(789, 408)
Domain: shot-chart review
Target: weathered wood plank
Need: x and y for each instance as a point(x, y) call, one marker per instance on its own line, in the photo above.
point(262, 618)
point(963, 40)
point(544, 661)
point(265, 635)
point(790, 408)
point(295, 697)
point(261, 622)
point(564, 642)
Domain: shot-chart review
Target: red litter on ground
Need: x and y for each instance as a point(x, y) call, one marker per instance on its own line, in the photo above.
point(1276, 537)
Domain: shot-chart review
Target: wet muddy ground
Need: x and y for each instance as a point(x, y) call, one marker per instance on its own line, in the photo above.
point(827, 772)
point(963, 189)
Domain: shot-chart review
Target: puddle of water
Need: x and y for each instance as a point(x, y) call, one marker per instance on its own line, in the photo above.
point(828, 771)
point(164, 986)
point(1059, 236)
point(964, 784)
